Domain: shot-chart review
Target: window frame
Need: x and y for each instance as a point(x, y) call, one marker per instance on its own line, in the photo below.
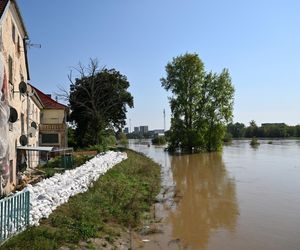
point(50, 142)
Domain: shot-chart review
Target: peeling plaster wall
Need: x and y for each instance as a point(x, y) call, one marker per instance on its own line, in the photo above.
point(4, 115)
point(11, 49)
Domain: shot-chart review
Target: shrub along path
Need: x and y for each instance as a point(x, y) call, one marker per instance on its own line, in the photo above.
point(116, 201)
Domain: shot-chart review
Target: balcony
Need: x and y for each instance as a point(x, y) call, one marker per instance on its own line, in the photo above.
point(52, 127)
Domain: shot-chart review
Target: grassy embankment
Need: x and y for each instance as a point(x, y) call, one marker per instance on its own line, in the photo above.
point(118, 200)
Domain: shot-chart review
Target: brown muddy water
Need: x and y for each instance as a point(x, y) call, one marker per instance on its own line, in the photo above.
point(243, 198)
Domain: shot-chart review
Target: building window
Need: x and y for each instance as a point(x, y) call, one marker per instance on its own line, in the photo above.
point(50, 138)
point(11, 171)
point(18, 45)
point(13, 33)
point(10, 69)
point(22, 124)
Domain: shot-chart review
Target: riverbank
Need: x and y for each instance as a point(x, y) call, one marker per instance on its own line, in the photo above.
point(103, 215)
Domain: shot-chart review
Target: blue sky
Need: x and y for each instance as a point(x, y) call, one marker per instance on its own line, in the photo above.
point(258, 41)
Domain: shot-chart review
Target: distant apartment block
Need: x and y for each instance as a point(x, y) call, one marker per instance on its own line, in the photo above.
point(126, 130)
point(158, 131)
point(136, 130)
point(273, 124)
point(143, 130)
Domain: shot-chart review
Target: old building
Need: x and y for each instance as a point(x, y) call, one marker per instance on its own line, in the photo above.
point(14, 95)
point(53, 129)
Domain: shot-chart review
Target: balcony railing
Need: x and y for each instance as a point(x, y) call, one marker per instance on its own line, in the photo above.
point(51, 127)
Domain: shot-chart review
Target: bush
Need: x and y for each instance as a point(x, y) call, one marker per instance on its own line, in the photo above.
point(159, 140)
point(254, 142)
point(123, 141)
point(81, 159)
point(55, 165)
point(99, 148)
point(227, 138)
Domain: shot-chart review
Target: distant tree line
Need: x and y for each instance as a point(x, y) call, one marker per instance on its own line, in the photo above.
point(266, 130)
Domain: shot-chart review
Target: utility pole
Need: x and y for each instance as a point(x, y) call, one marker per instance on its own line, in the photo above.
point(164, 120)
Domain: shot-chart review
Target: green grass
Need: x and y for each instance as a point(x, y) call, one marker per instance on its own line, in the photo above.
point(120, 197)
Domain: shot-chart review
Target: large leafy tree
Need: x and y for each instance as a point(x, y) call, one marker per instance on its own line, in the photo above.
point(98, 100)
point(201, 104)
point(237, 130)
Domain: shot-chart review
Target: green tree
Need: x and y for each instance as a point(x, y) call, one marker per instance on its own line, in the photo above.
point(98, 100)
point(217, 108)
point(237, 130)
point(159, 140)
point(252, 130)
point(122, 138)
point(201, 104)
point(297, 130)
point(72, 138)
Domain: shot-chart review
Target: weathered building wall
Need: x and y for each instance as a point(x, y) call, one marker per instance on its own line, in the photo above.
point(12, 48)
point(53, 116)
point(33, 139)
point(53, 128)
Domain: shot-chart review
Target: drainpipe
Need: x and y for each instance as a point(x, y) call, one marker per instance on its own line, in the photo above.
point(27, 127)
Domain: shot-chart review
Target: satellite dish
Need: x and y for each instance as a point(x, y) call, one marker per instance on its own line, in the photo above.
point(22, 87)
point(23, 140)
point(31, 132)
point(34, 125)
point(13, 115)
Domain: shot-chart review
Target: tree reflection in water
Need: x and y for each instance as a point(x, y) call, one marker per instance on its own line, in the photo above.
point(208, 202)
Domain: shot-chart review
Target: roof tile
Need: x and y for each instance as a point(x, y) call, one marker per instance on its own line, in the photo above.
point(47, 101)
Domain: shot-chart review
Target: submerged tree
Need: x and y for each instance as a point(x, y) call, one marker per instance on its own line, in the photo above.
point(98, 100)
point(201, 104)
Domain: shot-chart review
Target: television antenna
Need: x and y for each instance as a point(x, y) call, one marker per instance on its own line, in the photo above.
point(33, 45)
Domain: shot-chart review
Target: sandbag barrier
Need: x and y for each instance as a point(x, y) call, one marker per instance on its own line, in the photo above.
point(48, 194)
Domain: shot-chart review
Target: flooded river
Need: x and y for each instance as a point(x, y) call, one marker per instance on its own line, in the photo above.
point(242, 198)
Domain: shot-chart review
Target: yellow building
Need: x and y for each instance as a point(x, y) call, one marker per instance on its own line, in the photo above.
point(53, 129)
point(15, 99)
point(30, 121)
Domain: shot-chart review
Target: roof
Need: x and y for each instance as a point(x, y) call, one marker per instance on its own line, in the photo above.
point(47, 101)
point(3, 4)
point(36, 99)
